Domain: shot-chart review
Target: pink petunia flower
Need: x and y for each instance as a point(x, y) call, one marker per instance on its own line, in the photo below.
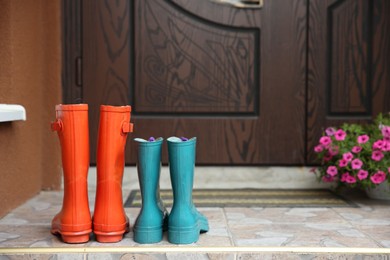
point(377, 155)
point(386, 138)
point(318, 148)
point(327, 178)
point(356, 164)
point(330, 131)
point(386, 146)
point(350, 179)
point(362, 139)
point(332, 171)
point(378, 177)
point(357, 149)
point(325, 141)
point(362, 174)
point(377, 145)
point(348, 156)
point(344, 177)
point(343, 163)
point(340, 135)
point(386, 131)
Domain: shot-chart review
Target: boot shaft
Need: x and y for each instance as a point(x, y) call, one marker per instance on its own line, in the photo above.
point(72, 127)
point(114, 126)
point(181, 167)
point(149, 167)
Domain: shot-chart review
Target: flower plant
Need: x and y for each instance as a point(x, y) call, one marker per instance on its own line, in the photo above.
point(355, 155)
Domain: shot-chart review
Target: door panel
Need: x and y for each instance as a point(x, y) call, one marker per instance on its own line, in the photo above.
point(106, 64)
point(348, 64)
point(189, 65)
point(71, 52)
point(234, 78)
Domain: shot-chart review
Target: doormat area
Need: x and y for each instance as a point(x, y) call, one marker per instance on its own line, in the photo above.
point(251, 198)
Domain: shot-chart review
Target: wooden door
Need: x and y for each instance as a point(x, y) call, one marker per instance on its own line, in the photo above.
point(232, 77)
point(348, 64)
point(256, 86)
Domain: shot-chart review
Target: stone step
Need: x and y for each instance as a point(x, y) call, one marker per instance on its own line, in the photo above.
point(194, 252)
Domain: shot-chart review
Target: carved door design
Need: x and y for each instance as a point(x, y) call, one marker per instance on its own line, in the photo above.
point(232, 77)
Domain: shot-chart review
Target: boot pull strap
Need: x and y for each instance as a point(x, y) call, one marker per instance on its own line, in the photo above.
point(127, 127)
point(57, 125)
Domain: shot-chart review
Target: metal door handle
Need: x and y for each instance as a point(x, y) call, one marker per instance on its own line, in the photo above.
point(241, 3)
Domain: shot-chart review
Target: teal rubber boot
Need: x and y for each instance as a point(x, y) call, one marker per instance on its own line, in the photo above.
point(185, 221)
point(149, 225)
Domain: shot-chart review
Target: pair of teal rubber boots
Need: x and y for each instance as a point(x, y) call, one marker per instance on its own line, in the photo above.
point(185, 222)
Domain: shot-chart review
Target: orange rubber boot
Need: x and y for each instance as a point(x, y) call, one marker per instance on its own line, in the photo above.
point(73, 222)
point(110, 221)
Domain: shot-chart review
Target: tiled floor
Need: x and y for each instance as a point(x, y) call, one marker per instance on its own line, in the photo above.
point(248, 233)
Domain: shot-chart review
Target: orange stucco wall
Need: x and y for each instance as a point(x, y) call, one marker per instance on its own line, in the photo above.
point(30, 75)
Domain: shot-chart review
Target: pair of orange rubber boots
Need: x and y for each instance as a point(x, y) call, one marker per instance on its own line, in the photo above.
point(74, 222)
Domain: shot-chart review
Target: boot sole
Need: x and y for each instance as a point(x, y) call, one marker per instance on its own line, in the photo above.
point(186, 235)
point(148, 235)
point(110, 237)
point(73, 237)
